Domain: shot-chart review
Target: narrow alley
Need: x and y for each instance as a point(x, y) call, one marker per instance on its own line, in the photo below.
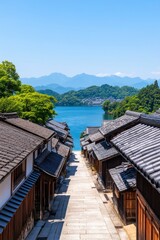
point(78, 210)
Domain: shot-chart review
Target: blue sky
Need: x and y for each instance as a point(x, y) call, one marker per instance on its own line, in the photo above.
point(100, 37)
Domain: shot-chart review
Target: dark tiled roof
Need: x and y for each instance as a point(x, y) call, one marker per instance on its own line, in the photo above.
point(8, 211)
point(90, 146)
point(62, 149)
point(60, 132)
point(69, 139)
point(96, 137)
point(69, 144)
point(124, 176)
point(104, 151)
point(15, 146)
point(118, 124)
point(91, 130)
point(84, 143)
point(105, 122)
point(141, 146)
point(31, 127)
point(54, 142)
point(153, 119)
point(57, 124)
point(85, 138)
point(52, 165)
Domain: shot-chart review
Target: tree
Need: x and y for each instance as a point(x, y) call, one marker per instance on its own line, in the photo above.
point(26, 88)
point(9, 79)
point(33, 106)
point(147, 101)
point(105, 105)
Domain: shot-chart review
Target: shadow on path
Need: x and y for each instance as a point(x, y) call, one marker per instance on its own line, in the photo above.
point(53, 226)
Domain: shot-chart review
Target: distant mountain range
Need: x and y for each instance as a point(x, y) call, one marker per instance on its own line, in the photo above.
point(61, 83)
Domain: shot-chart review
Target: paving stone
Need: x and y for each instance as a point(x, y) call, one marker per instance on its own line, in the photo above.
point(79, 209)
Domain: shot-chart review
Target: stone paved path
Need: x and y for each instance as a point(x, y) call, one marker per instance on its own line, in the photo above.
point(78, 209)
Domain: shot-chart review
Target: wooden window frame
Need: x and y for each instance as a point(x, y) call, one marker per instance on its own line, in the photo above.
point(18, 174)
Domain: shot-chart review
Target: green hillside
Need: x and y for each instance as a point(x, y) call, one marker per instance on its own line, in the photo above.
point(147, 100)
point(88, 95)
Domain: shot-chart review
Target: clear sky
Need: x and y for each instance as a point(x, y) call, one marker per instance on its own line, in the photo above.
point(99, 37)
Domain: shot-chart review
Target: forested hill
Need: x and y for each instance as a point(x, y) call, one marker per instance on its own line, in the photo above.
point(91, 95)
point(147, 100)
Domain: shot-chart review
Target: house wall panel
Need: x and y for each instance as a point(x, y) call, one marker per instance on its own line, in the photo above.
point(29, 164)
point(5, 190)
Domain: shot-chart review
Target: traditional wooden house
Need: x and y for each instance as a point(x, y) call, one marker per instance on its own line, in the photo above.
point(140, 145)
point(113, 127)
point(90, 141)
point(54, 142)
point(84, 142)
point(63, 150)
point(124, 191)
point(35, 129)
point(51, 165)
point(96, 137)
point(45, 186)
point(62, 132)
point(105, 157)
point(89, 149)
point(18, 180)
point(59, 124)
point(91, 130)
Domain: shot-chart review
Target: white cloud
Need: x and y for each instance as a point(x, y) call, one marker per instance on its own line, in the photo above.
point(102, 74)
point(122, 74)
point(157, 73)
point(119, 74)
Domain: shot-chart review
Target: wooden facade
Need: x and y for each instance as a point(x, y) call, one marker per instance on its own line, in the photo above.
point(148, 210)
point(124, 191)
point(18, 214)
point(140, 146)
point(45, 189)
point(22, 219)
point(125, 203)
point(103, 167)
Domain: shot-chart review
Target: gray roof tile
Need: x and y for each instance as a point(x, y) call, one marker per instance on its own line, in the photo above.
point(141, 146)
point(124, 176)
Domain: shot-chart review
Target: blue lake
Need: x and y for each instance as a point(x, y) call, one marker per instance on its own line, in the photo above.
point(78, 118)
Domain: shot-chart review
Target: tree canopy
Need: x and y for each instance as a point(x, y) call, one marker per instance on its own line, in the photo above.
point(77, 98)
point(23, 99)
point(147, 100)
point(9, 79)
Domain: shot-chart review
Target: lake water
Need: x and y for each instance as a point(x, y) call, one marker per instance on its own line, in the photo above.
point(78, 118)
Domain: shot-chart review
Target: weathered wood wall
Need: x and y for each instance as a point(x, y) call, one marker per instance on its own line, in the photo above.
point(18, 223)
point(148, 225)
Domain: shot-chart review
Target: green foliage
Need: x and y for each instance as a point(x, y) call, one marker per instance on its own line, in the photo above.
point(74, 98)
point(105, 105)
point(23, 99)
point(147, 100)
point(33, 106)
point(26, 88)
point(9, 79)
point(50, 93)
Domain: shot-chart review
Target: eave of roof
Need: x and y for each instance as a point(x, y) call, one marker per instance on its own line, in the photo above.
point(141, 146)
point(103, 151)
point(96, 137)
point(124, 177)
point(118, 124)
point(9, 209)
point(31, 127)
point(52, 165)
